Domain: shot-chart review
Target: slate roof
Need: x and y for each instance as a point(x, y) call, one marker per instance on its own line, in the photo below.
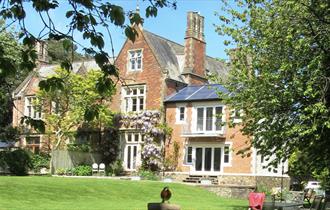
point(48, 70)
point(197, 93)
point(170, 55)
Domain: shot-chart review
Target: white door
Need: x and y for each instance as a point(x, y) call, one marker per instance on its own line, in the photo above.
point(207, 160)
point(131, 152)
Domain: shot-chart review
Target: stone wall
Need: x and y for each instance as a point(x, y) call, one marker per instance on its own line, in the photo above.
point(240, 192)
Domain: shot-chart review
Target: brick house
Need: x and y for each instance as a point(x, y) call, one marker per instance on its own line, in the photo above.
point(160, 74)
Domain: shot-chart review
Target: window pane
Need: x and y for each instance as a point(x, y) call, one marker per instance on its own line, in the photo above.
point(207, 159)
point(218, 112)
point(129, 137)
point(134, 156)
point(199, 159)
point(181, 113)
point(136, 137)
point(226, 154)
point(217, 159)
point(189, 155)
point(141, 104)
point(135, 91)
point(209, 116)
point(134, 105)
point(141, 90)
point(132, 64)
point(139, 63)
point(129, 157)
point(200, 119)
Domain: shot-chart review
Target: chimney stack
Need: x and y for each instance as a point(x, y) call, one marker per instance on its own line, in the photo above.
point(194, 66)
point(42, 52)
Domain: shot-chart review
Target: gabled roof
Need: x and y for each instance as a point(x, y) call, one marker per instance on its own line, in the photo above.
point(197, 93)
point(170, 55)
point(49, 70)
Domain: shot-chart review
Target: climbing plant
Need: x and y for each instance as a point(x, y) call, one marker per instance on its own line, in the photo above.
point(154, 132)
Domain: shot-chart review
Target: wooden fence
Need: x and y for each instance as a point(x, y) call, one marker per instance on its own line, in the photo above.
point(68, 159)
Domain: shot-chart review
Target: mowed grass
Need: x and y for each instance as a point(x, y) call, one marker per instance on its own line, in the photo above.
point(44, 193)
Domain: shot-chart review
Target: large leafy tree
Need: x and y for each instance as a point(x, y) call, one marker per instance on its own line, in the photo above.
point(85, 17)
point(70, 107)
point(280, 77)
point(59, 50)
point(10, 58)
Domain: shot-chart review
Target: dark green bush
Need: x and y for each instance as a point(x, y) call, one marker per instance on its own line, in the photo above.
point(82, 170)
point(40, 161)
point(19, 162)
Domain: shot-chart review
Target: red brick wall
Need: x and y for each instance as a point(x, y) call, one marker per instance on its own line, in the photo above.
point(150, 75)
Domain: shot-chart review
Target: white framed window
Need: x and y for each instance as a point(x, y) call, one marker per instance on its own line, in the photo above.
point(31, 109)
point(134, 98)
point(209, 119)
point(135, 60)
point(188, 156)
point(227, 154)
point(180, 114)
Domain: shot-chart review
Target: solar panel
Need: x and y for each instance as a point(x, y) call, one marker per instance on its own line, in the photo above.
point(202, 92)
point(184, 93)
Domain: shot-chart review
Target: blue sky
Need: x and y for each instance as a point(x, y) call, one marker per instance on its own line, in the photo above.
point(169, 23)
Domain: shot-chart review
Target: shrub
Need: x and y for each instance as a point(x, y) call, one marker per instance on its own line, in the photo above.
point(60, 171)
point(116, 168)
point(2, 159)
point(40, 161)
point(82, 170)
point(148, 175)
point(19, 162)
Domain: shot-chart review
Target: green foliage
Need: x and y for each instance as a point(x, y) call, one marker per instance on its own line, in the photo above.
point(79, 147)
point(279, 76)
point(40, 161)
point(84, 17)
point(148, 175)
point(60, 171)
point(171, 161)
point(82, 170)
point(10, 74)
point(60, 50)
point(71, 103)
point(116, 168)
point(324, 177)
point(19, 162)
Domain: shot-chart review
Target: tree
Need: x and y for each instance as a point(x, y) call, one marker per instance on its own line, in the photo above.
point(57, 51)
point(65, 109)
point(280, 77)
point(9, 80)
point(85, 17)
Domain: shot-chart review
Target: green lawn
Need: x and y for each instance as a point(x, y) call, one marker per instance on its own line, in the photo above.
point(31, 193)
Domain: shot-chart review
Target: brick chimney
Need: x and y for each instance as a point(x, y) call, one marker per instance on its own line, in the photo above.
point(194, 51)
point(41, 48)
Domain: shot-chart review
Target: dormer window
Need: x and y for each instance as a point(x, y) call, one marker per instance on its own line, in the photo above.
point(135, 60)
